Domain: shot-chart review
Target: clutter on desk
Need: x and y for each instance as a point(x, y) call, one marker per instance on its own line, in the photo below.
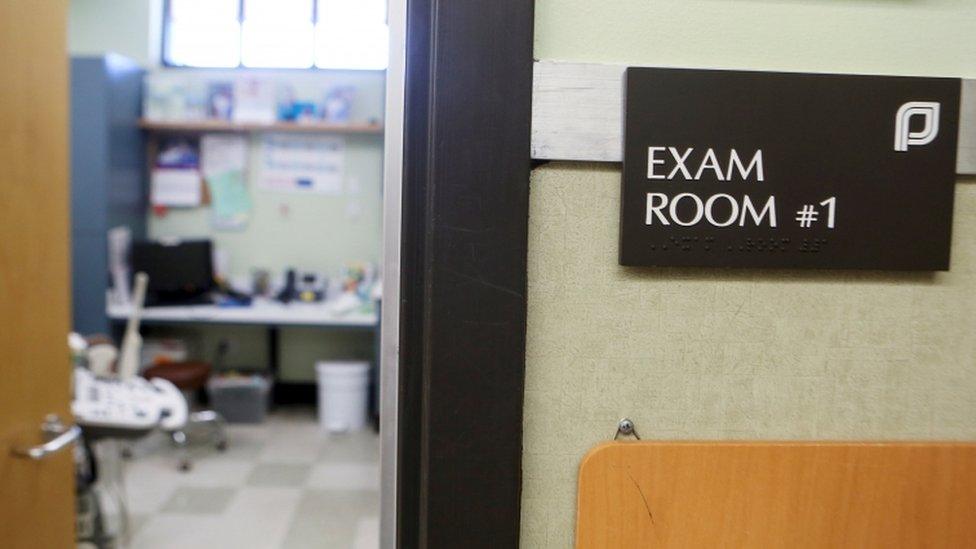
point(302, 163)
point(289, 291)
point(261, 282)
point(358, 278)
point(182, 272)
point(311, 287)
point(228, 296)
point(351, 290)
point(306, 287)
point(345, 303)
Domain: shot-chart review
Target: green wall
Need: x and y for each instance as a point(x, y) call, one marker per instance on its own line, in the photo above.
point(734, 354)
point(127, 27)
point(308, 232)
point(914, 37)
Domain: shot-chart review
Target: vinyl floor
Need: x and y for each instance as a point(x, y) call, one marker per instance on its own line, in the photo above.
point(280, 484)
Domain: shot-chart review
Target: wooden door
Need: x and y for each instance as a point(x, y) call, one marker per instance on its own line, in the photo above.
point(36, 496)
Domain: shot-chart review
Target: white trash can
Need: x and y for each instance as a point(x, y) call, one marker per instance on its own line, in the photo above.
point(343, 395)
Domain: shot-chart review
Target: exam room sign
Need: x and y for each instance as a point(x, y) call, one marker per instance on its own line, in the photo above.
point(757, 169)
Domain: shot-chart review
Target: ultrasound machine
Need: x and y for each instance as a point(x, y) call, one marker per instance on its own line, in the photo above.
point(112, 406)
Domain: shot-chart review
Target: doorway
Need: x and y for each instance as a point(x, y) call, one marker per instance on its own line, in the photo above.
point(457, 101)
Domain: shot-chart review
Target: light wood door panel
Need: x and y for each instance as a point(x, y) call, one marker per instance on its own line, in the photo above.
point(36, 497)
point(768, 495)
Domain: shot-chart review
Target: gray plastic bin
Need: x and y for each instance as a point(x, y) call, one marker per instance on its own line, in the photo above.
point(240, 399)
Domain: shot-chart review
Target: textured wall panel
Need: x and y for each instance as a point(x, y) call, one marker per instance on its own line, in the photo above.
point(724, 354)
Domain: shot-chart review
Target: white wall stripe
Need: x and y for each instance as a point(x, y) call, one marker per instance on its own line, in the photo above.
point(577, 114)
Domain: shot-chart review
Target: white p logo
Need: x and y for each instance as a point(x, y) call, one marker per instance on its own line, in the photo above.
point(904, 136)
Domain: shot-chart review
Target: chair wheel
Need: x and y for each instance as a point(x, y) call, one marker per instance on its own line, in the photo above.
point(185, 465)
point(221, 445)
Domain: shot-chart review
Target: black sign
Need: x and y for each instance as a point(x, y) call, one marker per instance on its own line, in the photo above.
point(754, 169)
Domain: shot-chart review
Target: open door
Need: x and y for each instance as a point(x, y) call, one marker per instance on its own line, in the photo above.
point(37, 494)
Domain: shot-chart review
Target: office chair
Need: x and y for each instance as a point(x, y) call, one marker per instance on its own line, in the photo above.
point(190, 377)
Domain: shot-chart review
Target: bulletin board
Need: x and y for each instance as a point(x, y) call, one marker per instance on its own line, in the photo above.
point(777, 494)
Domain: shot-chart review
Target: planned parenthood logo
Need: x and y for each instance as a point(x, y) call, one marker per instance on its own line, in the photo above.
point(904, 136)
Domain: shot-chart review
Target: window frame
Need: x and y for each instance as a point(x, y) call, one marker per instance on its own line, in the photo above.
point(165, 62)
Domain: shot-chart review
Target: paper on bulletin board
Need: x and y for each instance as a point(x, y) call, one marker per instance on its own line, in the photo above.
point(175, 187)
point(302, 163)
point(230, 202)
point(222, 153)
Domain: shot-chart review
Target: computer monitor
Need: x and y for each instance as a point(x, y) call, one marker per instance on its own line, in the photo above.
point(180, 272)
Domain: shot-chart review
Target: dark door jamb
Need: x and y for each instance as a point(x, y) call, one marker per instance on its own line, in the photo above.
point(465, 193)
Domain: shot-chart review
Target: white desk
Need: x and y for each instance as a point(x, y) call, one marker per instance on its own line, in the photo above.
point(262, 312)
point(269, 314)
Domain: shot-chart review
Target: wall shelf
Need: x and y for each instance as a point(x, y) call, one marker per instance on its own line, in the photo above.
point(198, 126)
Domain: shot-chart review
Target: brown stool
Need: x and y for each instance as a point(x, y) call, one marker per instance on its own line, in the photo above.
point(189, 377)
